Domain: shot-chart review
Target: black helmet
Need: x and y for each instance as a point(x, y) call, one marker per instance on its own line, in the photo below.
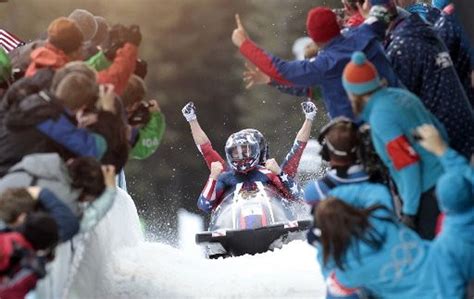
point(242, 152)
point(262, 142)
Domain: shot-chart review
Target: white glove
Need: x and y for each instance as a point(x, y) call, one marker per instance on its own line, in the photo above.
point(310, 110)
point(189, 111)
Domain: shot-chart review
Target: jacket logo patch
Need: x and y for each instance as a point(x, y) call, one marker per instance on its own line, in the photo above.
point(402, 153)
point(443, 60)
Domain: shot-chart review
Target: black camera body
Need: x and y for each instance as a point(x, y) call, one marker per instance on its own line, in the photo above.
point(140, 116)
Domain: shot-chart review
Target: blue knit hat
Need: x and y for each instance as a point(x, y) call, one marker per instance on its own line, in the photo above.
point(360, 76)
point(454, 193)
point(441, 4)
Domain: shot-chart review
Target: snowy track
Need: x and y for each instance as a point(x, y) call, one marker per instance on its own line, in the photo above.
point(118, 264)
point(153, 270)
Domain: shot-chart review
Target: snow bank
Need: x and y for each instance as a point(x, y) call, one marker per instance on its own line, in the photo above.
point(117, 263)
point(153, 270)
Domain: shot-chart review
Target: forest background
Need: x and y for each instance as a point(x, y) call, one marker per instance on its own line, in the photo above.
point(190, 56)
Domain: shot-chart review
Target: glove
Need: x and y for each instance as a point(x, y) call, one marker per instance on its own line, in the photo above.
point(114, 41)
point(310, 110)
point(189, 112)
point(408, 220)
point(134, 35)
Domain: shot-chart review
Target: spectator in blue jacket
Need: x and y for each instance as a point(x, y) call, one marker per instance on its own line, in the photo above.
point(393, 114)
point(422, 62)
point(363, 246)
point(45, 122)
point(453, 250)
point(326, 68)
point(452, 33)
point(340, 142)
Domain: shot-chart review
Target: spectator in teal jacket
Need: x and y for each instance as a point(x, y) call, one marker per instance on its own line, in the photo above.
point(452, 251)
point(393, 115)
point(363, 246)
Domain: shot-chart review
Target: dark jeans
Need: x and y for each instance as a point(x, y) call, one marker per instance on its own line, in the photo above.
point(428, 212)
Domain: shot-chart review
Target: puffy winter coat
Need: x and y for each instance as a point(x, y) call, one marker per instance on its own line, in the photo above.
point(121, 68)
point(423, 64)
point(49, 171)
point(17, 280)
point(39, 124)
point(325, 70)
point(452, 33)
point(46, 57)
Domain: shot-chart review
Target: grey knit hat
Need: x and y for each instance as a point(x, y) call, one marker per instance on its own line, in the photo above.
point(85, 21)
point(102, 30)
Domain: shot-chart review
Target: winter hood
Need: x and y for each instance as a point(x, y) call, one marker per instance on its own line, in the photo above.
point(45, 166)
point(47, 56)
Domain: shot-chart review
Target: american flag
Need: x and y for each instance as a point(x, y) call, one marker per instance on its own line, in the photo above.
point(8, 41)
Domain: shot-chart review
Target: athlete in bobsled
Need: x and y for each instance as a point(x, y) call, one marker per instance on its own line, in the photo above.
point(292, 159)
point(251, 205)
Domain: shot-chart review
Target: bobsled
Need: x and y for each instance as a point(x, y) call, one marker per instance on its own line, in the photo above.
point(253, 220)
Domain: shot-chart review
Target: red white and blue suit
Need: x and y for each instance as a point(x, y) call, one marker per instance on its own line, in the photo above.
point(289, 165)
point(215, 190)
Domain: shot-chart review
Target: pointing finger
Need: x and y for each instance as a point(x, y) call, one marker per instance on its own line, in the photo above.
point(239, 23)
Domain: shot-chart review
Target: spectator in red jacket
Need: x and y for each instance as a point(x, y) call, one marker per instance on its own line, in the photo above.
point(63, 45)
point(23, 255)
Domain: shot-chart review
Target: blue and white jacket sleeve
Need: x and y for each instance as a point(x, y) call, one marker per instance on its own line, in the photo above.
point(79, 141)
point(97, 209)
point(68, 224)
point(302, 73)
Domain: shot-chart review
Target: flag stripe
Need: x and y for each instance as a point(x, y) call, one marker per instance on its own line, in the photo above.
point(9, 41)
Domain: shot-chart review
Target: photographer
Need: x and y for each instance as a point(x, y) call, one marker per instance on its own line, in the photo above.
point(145, 118)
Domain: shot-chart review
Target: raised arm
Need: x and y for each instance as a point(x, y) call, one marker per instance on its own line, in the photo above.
point(200, 138)
point(293, 158)
point(301, 73)
point(79, 141)
point(96, 210)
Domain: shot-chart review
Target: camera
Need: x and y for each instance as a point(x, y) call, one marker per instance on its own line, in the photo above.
point(141, 115)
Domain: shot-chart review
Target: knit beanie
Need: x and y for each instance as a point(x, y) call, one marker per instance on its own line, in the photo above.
point(65, 35)
point(322, 24)
point(102, 30)
point(85, 21)
point(441, 4)
point(360, 76)
point(454, 193)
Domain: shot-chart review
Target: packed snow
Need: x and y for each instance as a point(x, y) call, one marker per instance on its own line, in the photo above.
point(118, 263)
